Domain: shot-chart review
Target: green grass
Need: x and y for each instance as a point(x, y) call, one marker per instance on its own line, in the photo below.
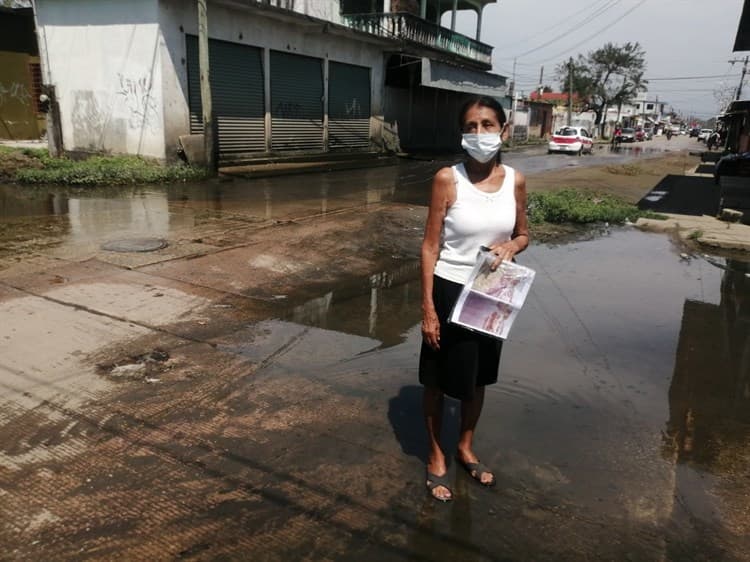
point(581, 207)
point(36, 166)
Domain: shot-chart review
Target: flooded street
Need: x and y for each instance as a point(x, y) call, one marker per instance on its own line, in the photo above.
point(250, 391)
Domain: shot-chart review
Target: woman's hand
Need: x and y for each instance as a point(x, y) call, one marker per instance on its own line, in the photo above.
point(431, 329)
point(504, 252)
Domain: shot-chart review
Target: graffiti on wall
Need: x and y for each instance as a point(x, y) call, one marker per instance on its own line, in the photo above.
point(15, 92)
point(140, 105)
point(353, 110)
point(287, 110)
point(88, 119)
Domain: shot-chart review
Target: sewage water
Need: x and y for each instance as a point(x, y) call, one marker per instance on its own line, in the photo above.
point(620, 425)
point(70, 219)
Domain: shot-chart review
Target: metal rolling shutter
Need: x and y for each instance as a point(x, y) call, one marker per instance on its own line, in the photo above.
point(348, 106)
point(237, 93)
point(296, 102)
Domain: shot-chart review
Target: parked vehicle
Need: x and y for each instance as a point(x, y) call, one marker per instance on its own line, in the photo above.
point(627, 135)
point(694, 132)
point(575, 140)
point(704, 134)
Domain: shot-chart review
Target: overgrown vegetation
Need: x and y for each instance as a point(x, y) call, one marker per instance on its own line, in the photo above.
point(581, 207)
point(626, 170)
point(36, 166)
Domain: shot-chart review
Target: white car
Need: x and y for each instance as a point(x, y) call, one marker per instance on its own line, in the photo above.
point(575, 140)
point(704, 134)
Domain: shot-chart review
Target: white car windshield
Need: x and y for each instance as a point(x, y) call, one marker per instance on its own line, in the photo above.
point(566, 132)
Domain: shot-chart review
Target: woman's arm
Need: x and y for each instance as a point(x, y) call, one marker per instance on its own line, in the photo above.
point(442, 197)
point(520, 238)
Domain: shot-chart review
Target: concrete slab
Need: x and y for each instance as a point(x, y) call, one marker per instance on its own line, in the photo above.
point(43, 346)
point(704, 230)
point(167, 305)
point(305, 258)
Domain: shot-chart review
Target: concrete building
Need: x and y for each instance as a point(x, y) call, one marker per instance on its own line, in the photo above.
point(288, 77)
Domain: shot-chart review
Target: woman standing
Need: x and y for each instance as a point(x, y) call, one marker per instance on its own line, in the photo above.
point(477, 203)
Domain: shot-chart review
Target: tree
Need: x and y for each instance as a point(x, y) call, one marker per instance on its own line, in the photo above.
point(609, 76)
point(15, 4)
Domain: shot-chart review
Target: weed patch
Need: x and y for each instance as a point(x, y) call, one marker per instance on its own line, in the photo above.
point(626, 170)
point(36, 166)
point(581, 207)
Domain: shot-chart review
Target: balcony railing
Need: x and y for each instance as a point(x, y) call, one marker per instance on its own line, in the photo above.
point(412, 28)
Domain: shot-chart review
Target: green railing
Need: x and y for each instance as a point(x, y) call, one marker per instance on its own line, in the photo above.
point(413, 28)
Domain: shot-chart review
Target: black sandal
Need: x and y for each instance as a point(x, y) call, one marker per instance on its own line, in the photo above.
point(434, 481)
point(475, 470)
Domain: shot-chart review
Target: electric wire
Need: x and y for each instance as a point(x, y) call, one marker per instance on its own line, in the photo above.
point(557, 24)
point(690, 77)
point(601, 11)
point(590, 37)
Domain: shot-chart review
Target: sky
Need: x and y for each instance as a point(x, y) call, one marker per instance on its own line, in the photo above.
point(687, 39)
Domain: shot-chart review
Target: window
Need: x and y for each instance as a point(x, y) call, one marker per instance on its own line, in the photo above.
point(649, 107)
point(638, 106)
point(361, 6)
point(36, 85)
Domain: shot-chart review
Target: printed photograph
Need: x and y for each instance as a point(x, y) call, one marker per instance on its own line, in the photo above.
point(487, 315)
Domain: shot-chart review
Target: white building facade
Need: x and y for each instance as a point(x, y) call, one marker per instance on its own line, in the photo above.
point(287, 76)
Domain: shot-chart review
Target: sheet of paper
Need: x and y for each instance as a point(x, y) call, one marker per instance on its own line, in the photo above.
point(490, 300)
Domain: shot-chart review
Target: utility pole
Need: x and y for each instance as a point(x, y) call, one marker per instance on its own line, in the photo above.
point(541, 81)
point(570, 91)
point(742, 79)
point(209, 132)
point(513, 103)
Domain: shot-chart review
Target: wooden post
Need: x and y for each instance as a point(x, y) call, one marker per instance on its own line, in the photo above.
point(570, 91)
point(479, 22)
point(742, 79)
point(209, 132)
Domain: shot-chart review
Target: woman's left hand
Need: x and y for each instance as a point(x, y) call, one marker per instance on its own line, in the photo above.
point(504, 252)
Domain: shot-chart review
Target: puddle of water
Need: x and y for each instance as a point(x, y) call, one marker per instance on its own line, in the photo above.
point(68, 217)
point(621, 416)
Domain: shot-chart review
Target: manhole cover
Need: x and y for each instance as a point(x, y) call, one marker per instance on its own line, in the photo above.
point(135, 245)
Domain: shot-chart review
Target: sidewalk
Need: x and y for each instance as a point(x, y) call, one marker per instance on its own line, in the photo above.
point(705, 230)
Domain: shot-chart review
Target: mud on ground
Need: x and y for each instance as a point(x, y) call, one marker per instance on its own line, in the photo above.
point(629, 181)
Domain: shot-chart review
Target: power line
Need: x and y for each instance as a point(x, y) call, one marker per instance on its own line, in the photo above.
point(690, 77)
point(554, 25)
point(602, 30)
point(600, 11)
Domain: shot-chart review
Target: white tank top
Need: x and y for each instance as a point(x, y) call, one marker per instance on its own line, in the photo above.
point(475, 219)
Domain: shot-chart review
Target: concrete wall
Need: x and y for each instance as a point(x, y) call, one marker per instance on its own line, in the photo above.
point(328, 10)
point(104, 59)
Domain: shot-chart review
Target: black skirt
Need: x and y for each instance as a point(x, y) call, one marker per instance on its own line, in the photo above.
point(466, 359)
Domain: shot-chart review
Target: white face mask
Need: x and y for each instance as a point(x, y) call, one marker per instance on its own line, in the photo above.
point(482, 147)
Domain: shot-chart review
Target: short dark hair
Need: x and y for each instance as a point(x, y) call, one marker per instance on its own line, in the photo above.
point(482, 101)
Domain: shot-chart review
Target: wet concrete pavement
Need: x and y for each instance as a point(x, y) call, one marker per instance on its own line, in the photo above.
point(249, 392)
